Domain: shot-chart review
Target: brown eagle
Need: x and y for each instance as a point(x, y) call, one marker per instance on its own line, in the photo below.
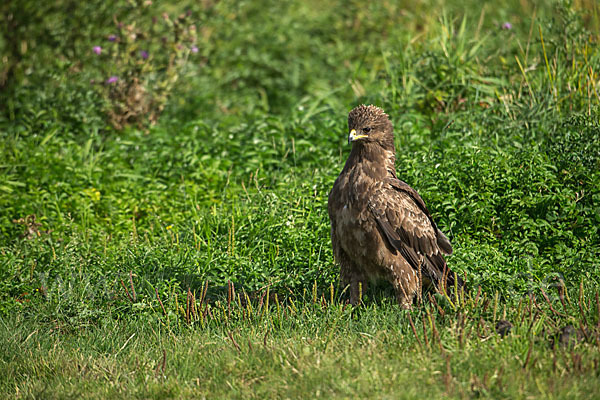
point(380, 227)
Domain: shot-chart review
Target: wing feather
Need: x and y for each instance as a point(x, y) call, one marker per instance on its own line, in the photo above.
point(407, 225)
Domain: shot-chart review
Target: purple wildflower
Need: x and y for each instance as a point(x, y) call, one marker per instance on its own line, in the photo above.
point(507, 25)
point(112, 38)
point(144, 54)
point(112, 79)
point(97, 49)
point(194, 49)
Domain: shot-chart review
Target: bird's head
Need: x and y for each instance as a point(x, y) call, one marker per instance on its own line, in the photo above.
point(368, 124)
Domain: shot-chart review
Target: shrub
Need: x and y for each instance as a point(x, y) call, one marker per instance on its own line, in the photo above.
point(139, 64)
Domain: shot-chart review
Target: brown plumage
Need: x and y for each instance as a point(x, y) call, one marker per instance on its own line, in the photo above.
point(380, 226)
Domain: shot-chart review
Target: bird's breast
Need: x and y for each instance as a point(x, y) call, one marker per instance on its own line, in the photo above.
point(355, 227)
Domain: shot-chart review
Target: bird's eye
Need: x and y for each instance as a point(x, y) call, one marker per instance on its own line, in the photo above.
point(366, 130)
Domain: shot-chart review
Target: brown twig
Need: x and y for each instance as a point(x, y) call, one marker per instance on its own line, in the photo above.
point(581, 301)
point(161, 367)
point(576, 358)
point(550, 305)
point(526, 307)
point(528, 355)
point(535, 317)
point(436, 335)
point(440, 310)
point(160, 302)
point(460, 328)
point(132, 288)
point(444, 282)
point(126, 291)
point(237, 346)
point(519, 310)
point(187, 306)
point(468, 332)
point(193, 306)
point(229, 294)
point(598, 310)
point(477, 297)
point(448, 374)
point(261, 301)
point(561, 294)
point(202, 298)
point(486, 304)
point(583, 330)
point(433, 328)
point(425, 332)
point(412, 326)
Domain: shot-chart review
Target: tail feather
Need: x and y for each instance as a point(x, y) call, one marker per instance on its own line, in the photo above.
point(437, 272)
point(444, 243)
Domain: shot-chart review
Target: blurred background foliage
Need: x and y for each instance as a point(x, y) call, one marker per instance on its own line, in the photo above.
point(495, 109)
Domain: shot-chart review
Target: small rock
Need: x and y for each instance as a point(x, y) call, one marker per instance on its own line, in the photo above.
point(503, 327)
point(567, 336)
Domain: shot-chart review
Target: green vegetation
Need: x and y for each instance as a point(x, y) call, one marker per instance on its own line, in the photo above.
point(118, 243)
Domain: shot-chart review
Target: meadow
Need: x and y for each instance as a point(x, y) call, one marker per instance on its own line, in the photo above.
point(163, 197)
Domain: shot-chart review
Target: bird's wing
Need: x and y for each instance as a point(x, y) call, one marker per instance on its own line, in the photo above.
point(332, 218)
point(333, 207)
point(406, 223)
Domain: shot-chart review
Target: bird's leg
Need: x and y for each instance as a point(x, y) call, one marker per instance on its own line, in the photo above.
point(351, 277)
point(345, 276)
point(354, 280)
point(405, 284)
point(404, 299)
point(358, 285)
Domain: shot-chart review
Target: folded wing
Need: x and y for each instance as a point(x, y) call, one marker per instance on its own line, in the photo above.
point(408, 227)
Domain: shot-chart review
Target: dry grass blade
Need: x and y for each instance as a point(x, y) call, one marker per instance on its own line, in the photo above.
point(160, 367)
point(412, 326)
point(439, 309)
point(598, 311)
point(550, 304)
point(188, 304)
point(425, 336)
point(160, 302)
point(448, 374)
point(126, 291)
point(528, 357)
point(133, 294)
point(237, 346)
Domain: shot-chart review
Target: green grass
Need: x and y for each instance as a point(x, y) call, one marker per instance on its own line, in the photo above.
point(497, 129)
point(316, 347)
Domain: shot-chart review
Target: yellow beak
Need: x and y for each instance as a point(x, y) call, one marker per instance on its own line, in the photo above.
point(354, 137)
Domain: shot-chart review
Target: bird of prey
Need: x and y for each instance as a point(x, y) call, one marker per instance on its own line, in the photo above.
point(380, 226)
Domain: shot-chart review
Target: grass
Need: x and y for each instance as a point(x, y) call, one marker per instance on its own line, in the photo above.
point(317, 346)
point(117, 248)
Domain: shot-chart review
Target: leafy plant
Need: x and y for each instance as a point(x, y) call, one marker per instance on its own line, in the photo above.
point(140, 63)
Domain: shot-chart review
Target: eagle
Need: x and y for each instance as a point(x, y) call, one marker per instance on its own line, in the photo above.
point(380, 226)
